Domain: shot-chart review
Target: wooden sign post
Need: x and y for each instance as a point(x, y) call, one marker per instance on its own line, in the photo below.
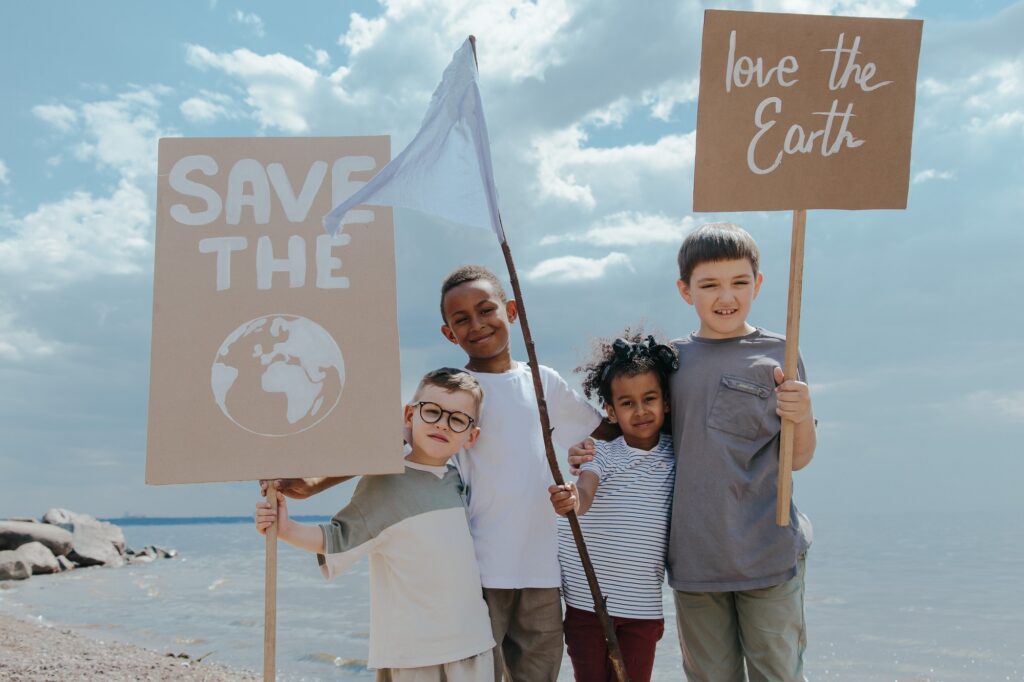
point(275, 346)
point(798, 112)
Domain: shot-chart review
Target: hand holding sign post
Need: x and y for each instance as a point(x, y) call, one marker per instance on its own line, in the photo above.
point(798, 112)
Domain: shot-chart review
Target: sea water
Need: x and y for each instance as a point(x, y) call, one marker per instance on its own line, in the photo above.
point(904, 598)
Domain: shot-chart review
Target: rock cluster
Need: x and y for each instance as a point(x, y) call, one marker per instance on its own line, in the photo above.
point(65, 540)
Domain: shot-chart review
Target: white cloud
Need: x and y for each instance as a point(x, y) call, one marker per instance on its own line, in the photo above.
point(5, 173)
point(519, 43)
point(577, 268)
point(282, 90)
point(250, 19)
point(79, 237)
point(567, 170)
point(121, 134)
point(17, 343)
point(60, 116)
point(629, 228)
point(321, 58)
point(932, 174)
point(1008, 404)
point(88, 233)
point(855, 8)
point(362, 33)
point(988, 100)
point(663, 99)
point(208, 107)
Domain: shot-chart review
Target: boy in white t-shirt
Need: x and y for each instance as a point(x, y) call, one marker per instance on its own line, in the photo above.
point(514, 530)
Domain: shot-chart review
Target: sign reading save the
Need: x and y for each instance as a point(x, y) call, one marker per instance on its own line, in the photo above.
point(275, 346)
point(799, 112)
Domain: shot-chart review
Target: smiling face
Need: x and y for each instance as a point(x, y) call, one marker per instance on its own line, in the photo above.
point(722, 293)
point(638, 406)
point(478, 321)
point(435, 443)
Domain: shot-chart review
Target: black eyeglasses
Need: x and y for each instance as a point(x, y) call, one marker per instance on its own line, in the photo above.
point(431, 413)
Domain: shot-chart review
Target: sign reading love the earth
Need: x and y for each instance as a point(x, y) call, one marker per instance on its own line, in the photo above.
point(800, 112)
point(275, 345)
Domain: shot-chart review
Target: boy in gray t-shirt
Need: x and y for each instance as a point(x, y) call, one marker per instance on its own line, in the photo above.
point(738, 577)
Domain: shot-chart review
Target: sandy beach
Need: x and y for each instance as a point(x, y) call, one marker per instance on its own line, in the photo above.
point(34, 652)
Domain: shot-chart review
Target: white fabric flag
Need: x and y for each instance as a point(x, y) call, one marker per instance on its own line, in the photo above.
point(446, 169)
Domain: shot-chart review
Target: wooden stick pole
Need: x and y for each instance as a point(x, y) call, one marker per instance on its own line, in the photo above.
point(270, 598)
point(614, 653)
point(790, 363)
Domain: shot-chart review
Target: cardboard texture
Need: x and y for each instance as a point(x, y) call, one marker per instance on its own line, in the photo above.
point(790, 118)
point(275, 346)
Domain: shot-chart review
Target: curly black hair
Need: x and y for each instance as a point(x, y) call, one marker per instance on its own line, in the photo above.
point(631, 354)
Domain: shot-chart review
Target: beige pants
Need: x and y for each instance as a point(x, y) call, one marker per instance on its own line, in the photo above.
point(719, 631)
point(527, 625)
point(478, 668)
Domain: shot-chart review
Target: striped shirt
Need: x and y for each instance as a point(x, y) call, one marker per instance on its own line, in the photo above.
point(626, 530)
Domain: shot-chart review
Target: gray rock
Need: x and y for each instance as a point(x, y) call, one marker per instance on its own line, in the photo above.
point(14, 534)
point(65, 563)
point(95, 542)
point(13, 566)
point(64, 517)
point(160, 552)
point(39, 558)
point(96, 545)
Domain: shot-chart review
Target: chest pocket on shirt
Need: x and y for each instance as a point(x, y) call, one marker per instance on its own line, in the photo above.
point(739, 407)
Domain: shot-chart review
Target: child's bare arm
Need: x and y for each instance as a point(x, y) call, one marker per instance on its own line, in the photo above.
point(606, 430)
point(301, 488)
point(794, 404)
point(309, 538)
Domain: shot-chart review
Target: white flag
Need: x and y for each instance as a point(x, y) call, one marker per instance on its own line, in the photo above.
point(446, 169)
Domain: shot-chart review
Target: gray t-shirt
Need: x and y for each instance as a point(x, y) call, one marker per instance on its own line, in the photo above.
point(723, 536)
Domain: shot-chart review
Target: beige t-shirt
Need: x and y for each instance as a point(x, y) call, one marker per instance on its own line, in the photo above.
point(426, 606)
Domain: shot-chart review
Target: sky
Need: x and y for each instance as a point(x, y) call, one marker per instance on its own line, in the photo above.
point(911, 319)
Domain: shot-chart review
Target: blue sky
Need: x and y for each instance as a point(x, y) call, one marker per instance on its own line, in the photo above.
point(911, 319)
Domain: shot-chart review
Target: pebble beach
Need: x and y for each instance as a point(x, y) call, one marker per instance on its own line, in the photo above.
point(43, 652)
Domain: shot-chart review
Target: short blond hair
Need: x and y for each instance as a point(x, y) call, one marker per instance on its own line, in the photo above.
point(451, 379)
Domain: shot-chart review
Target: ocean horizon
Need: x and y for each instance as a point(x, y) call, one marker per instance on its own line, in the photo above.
point(904, 598)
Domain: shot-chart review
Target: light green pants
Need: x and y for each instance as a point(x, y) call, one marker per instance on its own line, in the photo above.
point(718, 630)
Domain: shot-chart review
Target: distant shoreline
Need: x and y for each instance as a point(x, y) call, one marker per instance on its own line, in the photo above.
point(198, 520)
point(37, 651)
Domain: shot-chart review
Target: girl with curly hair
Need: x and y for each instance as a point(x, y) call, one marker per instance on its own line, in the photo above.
point(623, 499)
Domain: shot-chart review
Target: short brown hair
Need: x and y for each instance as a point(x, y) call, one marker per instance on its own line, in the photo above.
point(451, 380)
point(716, 242)
point(470, 273)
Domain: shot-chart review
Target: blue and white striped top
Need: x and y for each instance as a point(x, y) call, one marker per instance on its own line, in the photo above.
point(626, 530)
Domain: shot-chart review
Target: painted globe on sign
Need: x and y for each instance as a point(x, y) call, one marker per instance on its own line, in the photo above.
point(278, 375)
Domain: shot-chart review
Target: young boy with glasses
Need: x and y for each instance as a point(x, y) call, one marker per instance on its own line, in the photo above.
point(428, 620)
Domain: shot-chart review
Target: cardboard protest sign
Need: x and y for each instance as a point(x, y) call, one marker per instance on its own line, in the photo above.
point(275, 345)
point(799, 112)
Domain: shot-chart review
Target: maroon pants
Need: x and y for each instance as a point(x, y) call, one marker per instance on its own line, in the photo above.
point(584, 639)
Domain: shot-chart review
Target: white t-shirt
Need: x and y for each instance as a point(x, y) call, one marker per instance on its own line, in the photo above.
point(515, 530)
